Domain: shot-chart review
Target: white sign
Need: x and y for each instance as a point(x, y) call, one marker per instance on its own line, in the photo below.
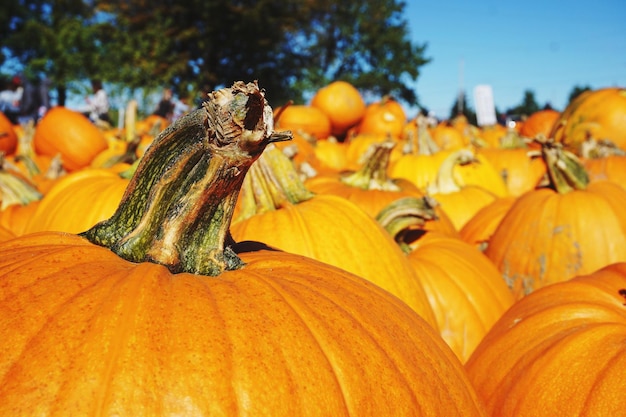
point(485, 107)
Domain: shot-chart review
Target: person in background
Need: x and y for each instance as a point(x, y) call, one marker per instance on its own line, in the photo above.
point(97, 108)
point(10, 98)
point(30, 102)
point(181, 107)
point(44, 97)
point(165, 108)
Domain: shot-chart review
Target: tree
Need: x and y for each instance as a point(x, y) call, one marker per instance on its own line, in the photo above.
point(527, 106)
point(55, 38)
point(576, 91)
point(460, 107)
point(293, 47)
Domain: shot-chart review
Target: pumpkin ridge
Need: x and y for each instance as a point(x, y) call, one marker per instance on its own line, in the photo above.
point(339, 307)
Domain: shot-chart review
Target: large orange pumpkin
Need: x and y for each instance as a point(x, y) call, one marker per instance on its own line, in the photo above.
point(558, 352)
point(167, 319)
point(465, 289)
point(570, 228)
point(72, 135)
point(599, 114)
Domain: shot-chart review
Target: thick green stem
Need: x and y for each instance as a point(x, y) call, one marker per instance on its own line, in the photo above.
point(404, 215)
point(445, 182)
point(565, 171)
point(373, 173)
point(271, 183)
point(179, 203)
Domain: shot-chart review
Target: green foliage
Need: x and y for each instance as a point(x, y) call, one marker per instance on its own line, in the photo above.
point(528, 105)
point(461, 107)
point(293, 47)
point(576, 91)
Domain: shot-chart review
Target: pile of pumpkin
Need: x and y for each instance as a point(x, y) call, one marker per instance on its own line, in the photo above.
point(405, 267)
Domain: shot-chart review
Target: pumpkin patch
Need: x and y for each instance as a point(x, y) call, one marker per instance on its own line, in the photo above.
point(334, 258)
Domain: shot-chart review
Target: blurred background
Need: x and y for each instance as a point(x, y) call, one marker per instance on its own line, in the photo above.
point(428, 55)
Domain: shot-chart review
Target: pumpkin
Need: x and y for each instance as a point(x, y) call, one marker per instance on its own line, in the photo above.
point(520, 170)
point(342, 103)
point(71, 134)
point(275, 207)
point(460, 202)
point(465, 289)
point(331, 154)
point(8, 137)
point(492, 135)
point(358, 147)
point(558, 352)
point(77, 201)
point(478, 229)
point(568, 228)
point(540, 122)
point(599, 114)
point(153, 311)
point(305, 120)
point(6, 234)
point(448, 137)
point(383, 117)
point(604, 161)
point(17, 216)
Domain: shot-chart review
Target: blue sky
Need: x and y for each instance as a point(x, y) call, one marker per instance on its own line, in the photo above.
point(544, 46)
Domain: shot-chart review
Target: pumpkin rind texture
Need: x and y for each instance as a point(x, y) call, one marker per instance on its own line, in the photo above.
point(558, 352)
point(83, 332)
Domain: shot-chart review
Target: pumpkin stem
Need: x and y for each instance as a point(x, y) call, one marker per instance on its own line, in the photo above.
point(178, 206)
point(445, 183)
point(372, 175)
point(419, 139)
point(271, 183)
point(565, 171)
point(592, 148)
point(404, 215)
point(15, 189)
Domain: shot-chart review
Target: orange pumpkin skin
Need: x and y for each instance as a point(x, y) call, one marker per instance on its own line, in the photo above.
point(6, 234)
point(72, 135)
point(78, 201)
point(558, 352)
point(478, 229)
point(611, 168)
point(547, 237)
point(303, 119)
point(466, 290)
point(384, 117)
point(342, 103)
point(8, 137)
point(521, 172)
point(336, 231)
point(16, 217)
point(283, 336)
point(600, 114)
point(540, 122)
point(448, 137)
